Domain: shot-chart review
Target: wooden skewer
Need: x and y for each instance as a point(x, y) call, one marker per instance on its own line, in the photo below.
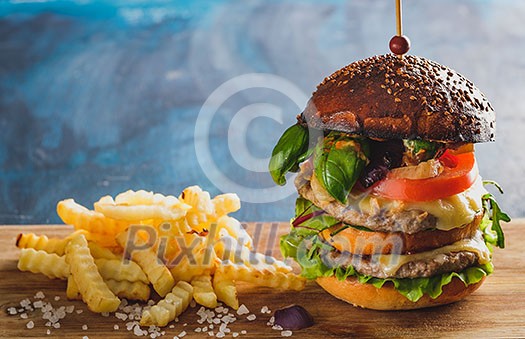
point(399, 16)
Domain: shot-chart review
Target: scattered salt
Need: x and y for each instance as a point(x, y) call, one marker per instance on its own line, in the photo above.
point(84, 327)
point(243, 332)
point(30, 324)
point(182, 334)
point(57, 298)
point(39, 295)
point(243, 310)
point(251, 317)
point(265, 309)
point(286, 333)
point(23, 315)
point(115, 327)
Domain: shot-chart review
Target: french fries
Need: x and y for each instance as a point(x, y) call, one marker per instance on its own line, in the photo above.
point(49, 264)
point(203, 293)
point(120, 270)
point(158, 274)
point(175, 302)
point(122, 289)
point(94, 222)
point(225, 289)
point(187, 248)
point(42, 243)
point(262, 277)
point(95, 293)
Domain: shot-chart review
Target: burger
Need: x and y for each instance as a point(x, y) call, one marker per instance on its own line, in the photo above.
point(392, 212)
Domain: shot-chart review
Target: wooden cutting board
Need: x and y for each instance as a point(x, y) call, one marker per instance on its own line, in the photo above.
point(497, 309)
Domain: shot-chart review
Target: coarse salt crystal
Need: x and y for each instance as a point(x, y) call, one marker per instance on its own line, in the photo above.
point(182, 334)
point(243, 332)
point(198, 330)
point(57, 298)
point(23, 315)
point(172, 326)
point(251, 317)
point(12, 310)
point(211, 334)
point(277, 327)
point(48, 332)
point(115, 327)
point(137, 331)
point(265, 309)
point(286, 333)
point(79, 311)
point(84, 327)
point(39, 295)
point(220, 335)
point(235, 334)
point(70, 308)
point(56, 325)
point(243, 310)
point(30, 324)
point(85, 337)
point(105, 314)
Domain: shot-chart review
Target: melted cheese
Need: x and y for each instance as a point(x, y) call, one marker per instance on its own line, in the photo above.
point(389, 264)
point(451, 212)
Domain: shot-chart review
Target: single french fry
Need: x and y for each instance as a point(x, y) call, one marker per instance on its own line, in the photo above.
point(203, 293)
point(119, 270)
point(95, 293)
point(166, 310)
point(123, 289)
point(99, 252)
point(42, 243)
point(225, 290)
point(49, 264)
point(81, 218)
point(103, 240)
point(158, 274)
point(72, 292)
point(262, 276)
point(135, 290)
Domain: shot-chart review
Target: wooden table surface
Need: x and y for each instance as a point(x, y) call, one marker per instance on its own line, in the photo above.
point(497, 309)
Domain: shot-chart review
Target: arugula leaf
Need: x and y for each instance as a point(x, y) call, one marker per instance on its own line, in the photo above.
point(492, 182)
point(338, 163)
point(290, 151)
point(496, 215)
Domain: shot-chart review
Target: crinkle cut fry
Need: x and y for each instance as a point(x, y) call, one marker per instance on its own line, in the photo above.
point(166, 310)
point(262, 276)
point(49, 264)
point(158, 274)
point(95, 293)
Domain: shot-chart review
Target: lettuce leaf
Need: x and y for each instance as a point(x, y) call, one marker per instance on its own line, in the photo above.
point(313, 254)
point(312, 257)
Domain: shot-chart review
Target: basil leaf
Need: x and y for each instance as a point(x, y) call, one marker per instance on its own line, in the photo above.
point(338, 163)
point(291, 149)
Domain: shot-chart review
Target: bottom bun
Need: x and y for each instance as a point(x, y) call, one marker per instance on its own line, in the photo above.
point(388, 298)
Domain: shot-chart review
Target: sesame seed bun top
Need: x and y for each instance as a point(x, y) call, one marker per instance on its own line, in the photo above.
point(401, 98)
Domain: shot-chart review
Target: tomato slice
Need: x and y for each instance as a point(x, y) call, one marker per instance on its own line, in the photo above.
point(460, 172)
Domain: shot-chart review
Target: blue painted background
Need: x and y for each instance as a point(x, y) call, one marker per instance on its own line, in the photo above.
point(98, 97)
